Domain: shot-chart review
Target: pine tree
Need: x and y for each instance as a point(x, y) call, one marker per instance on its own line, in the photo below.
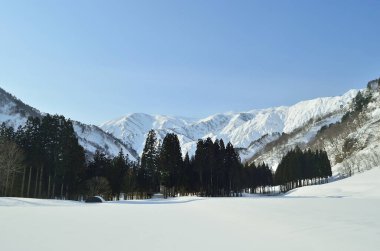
point(199, 165)
point(187, 177)
point(116, 174)
point(148, 173)
point(171, 163)
point(219, 153)
point(233, 167)
point(299, 168)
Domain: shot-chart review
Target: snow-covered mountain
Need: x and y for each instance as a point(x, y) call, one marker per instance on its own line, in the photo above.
point(263, 135)
point(15, 113)
point(353, 145)
point(248, 131)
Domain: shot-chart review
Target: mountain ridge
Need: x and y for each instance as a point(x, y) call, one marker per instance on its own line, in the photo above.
point(15, 113)
point(351, 139)
point(240, 128)
point(251, 132)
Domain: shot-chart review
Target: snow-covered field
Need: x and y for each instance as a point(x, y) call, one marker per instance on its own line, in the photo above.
point(343, 215)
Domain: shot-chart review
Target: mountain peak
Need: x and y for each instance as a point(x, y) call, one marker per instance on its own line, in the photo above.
point(240, 128)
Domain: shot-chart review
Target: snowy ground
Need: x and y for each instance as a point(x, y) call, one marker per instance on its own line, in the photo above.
point(343, 215)
point(362, 185)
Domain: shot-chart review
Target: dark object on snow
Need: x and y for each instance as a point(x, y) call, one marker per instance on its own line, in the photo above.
point(157, 196)
point(95, 199)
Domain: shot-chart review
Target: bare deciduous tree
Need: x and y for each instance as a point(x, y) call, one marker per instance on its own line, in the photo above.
point(11, 165)
point(98, 186)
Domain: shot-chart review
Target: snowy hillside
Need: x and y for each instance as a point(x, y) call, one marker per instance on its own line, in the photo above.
point(362, 185)
point(15, 113)
point(93, 138)
point(273, 152)
point(241, 129)
point(132, 129)
point(352, 146)
point(357, 148)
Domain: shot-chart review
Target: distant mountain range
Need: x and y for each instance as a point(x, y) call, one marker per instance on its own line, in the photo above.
point(259, 135)
point(249, 131)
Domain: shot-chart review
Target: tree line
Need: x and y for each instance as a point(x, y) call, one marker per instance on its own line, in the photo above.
point(214, 170)
point(47, 160)
point(43, 159)
point(301, 168)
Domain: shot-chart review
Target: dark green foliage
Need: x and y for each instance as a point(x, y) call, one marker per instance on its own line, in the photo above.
point(170, 165)
point(148, 179)
point(257, 178)
point(54, 159)
point(325, 127)
point(361, 101)
point(55, 166)
point(120, 173)
point(232, 166)
point(188, 177)
point(299, 168)
point(116, 173)
point(218, 168)
point(345, 117)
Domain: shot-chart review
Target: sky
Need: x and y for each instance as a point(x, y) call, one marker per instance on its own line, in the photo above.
point(94, 61)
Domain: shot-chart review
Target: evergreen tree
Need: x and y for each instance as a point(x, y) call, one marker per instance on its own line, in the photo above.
point(116, 174)
point(187, 177)
point(298, 168)
point(220, 171)
point(199, 164)
point(233, 167)
point(148, 173)
point(171, 164)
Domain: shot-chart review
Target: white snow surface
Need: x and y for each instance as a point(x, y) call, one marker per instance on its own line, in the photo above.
point(361, 185)
point(241, 128)
point(343, 215)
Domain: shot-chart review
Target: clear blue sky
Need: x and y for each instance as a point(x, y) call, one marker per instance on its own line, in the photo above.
point(96, 60)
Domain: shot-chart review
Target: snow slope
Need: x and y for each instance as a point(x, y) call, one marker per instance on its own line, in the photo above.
point(241, 129)
point(352, 146)
point(361, 185)
point(15, 113)
point(338, 216)
point(365, 151)
point(93, 138)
